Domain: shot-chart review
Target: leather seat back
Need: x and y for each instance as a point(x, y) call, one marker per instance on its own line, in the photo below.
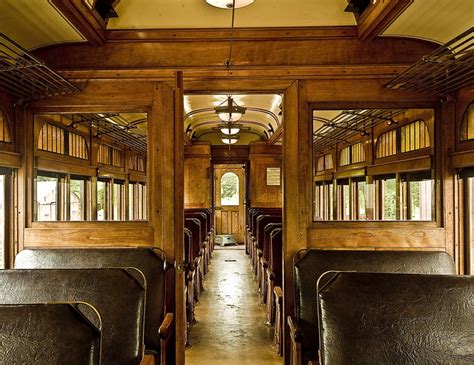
point(396, 319)
point(309, 265)
point(150, 261)
point(117, 294)
point(47, 334)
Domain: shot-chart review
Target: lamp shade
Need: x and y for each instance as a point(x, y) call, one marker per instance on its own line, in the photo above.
point(229, 111)
point(229, 140)
point(230, 130)
point(228, 4)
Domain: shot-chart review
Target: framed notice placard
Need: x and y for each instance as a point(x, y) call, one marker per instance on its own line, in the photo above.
point(273, 176)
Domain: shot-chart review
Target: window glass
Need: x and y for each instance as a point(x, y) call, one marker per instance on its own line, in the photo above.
point(101, 200)
point(361, 200)
point(467, 126)
point(389, 198)
point(469, 225)
point(118, 200)
point(46, 198)
point(77, 199)
point(229, 189)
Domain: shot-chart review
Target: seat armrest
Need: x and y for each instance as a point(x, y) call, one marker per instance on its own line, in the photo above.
point(278, 294)
point(166, 326)
point(295, 331)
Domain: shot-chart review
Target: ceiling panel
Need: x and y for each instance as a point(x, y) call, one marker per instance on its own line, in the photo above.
point(141, 14)
point(262, 115)
point(35, 23)
point(437, 20)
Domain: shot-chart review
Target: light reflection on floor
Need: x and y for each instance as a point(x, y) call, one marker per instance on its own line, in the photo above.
point(231, 325)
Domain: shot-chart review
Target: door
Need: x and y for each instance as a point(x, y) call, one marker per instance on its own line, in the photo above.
point(229, 185)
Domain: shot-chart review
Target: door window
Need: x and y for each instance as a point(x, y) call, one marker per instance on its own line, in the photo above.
point(229, 189)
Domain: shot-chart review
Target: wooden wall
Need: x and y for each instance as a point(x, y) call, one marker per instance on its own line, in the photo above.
point(261, 157)
point(197, 176)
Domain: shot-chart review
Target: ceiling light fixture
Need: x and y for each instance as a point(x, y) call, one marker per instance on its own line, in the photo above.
point(230, 130)
point(229, 111)
point(229, 4)
point(230, 140)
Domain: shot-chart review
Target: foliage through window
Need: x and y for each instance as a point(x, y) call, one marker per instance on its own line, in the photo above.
point(229, 189)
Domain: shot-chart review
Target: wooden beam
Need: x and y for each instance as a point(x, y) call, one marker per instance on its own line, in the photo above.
point(247, 34)
point(379, 16)
point(87, 21)
point(277, 136)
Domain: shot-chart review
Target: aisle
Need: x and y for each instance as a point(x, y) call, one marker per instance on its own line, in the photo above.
point(231, 321)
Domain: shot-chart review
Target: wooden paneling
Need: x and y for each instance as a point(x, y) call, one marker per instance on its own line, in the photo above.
point(197, 176)
point(10, 159)
point(263, 156)
point(236, 154)
point(246, 54)
point(384, 237)
point(90, 234)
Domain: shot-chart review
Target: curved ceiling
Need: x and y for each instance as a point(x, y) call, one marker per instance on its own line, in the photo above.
point(142, 14)
point(261, 119)
point(35, 23)
point(435, 20)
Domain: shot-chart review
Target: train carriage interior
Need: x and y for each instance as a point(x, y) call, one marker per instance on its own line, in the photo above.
point(236, 182)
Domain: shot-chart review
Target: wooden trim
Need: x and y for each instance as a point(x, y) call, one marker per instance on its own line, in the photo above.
point(324, 177)
point(462, 159)
point(377, 17)
point(85, 20)
point(241, 34)
point(10, 159)
point(416, 164)
point(277, 136)
point(49, 164)
point(103, 234)
point(350, 173)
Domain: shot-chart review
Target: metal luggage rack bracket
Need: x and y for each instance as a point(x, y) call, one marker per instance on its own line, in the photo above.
point(26, 77)
point(443, 71)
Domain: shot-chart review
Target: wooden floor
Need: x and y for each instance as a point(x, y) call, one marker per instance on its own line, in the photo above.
point(231, 325)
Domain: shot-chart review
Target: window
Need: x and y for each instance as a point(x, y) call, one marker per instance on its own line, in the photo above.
point(77, 199)
point(387, 144)
point(388, 197)
point(136, 162)
point(414, 136)
point(47, 197)
point(229, 189)
point(137, 201)
point(103, 200)
point(343, 200)
point(118, 200)
point(323, 200)
point(6, 177)
point(51, 139)
point(410, 137)
point(417, 196)
point(352, 154)
point(360, 198)
point(109, 155)
point(77, 146)
point(467, 124)
point(468, 196)
point(57, 140)
point(4, 128)
point(325, 162)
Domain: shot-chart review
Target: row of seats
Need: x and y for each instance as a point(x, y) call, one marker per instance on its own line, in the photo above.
point(263, 244)
point(380, 307)
point(106, 306)
point(198, 248)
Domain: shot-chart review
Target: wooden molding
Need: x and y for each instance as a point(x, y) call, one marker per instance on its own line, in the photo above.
point(277, 136)
point(415, 164)
point(379, 16)
point(462, 159)
point(241, 34)
point(86, 21)
point(10, 159)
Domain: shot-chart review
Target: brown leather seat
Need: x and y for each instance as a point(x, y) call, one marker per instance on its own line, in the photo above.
point(117, 294)
point(46, 334)
point(396, 319)
point(309, 265)
point(150, 261)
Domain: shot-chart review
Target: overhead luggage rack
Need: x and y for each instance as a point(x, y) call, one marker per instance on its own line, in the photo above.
point(25, 76)
point(446, 69)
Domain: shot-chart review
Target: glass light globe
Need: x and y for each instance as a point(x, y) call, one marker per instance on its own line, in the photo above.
point(227, 117)
point(229, 140)
point(230, 130)
point(228, 4)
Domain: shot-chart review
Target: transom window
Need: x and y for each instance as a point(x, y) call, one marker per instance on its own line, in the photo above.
point(325, 162)
point(410, 137)
point(4, 128)
point(467, 125)
point(352, 154)
point(58, 140)
point(109, 155)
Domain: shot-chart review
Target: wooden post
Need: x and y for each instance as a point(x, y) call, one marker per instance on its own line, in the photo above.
point(296, 191)
point(166, 187)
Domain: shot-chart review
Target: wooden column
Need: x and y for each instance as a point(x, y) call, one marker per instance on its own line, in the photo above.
point(296, 190)
point(166, 186)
